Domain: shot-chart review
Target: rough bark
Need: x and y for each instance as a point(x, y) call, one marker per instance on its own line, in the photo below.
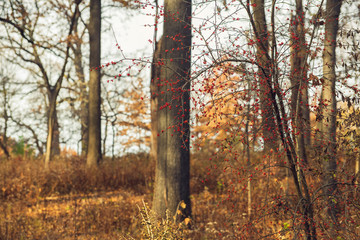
point(94, 27)
point(329, 103)
point(262, 53)
point(173, 159)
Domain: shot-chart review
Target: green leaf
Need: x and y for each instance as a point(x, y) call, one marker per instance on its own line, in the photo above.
point(286, 225)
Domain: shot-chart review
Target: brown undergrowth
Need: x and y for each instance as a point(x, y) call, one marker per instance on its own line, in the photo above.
point(114, 201)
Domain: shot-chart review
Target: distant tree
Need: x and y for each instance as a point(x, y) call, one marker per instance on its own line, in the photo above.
point(76, 47)
point(94, 28)
point(31, 50)
point(154, 95)
point(299, 82)
point(4, 114)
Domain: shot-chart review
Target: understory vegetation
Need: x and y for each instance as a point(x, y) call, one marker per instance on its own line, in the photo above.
point(114, 201)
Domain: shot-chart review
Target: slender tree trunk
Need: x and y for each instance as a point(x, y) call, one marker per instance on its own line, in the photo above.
point(84, 107)
point(329, 101)
point(55, 146)
point(262, 53)
point(105, 135)
point(154, 92)
point(3, 141)
point(4, 148)
point(357, 167)
point(248, 151)
point(84, 118)
point(306, 116)
point(53, 143)
point(173, 158)
point(113, 141)
point(319, 132)
point(298, 76)
point(269, 77)
point(94, 148)
point(50, 143)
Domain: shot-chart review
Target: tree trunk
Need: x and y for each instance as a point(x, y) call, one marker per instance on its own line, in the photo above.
point(55, 146)
point(84, 107)
point(298, 76)
point(94, 27)
point(262, 53)
point(3, 141)
point(52, 142)
point(84, 119)
point(4, 148)
point(248, 165)
point(270, 82)
point(154, 93)
point(105, 135)
point(329, 101)
point(173, 159)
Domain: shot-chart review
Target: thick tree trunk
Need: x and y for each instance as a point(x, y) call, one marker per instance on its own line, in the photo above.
point(173, 158)
point(329, 101)
point(262, 50)
point(94, 27)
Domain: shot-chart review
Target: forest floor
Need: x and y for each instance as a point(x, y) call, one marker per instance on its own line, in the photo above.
point(113, 201)
point(71, 202)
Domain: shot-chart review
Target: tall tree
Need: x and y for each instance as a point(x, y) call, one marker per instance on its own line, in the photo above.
point(329, 101)
point(173, 155)
point(94, 27)
point(76, 47)
point(262, 54)
point(4, 92)
point(269, 78)
point(154, 92)
point(298, 76)
point(30, 50)
point(154, 87)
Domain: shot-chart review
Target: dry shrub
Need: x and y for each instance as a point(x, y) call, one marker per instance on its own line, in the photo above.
point(155, 228)
point(23, 179)
point(70, 200)
point(73, 202)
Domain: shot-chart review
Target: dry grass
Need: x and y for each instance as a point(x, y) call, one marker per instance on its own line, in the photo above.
point(72, 202)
